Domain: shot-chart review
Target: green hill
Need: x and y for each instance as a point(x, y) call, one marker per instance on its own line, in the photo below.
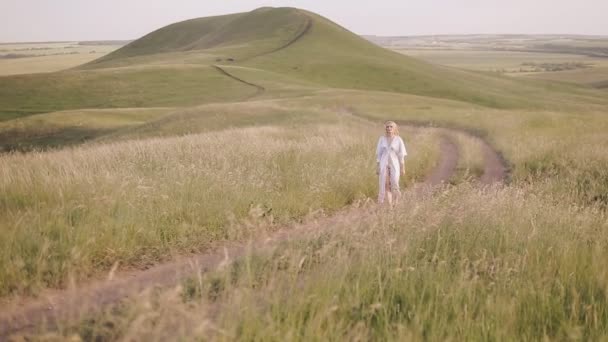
point(308, 47)
point(330, 55)
point(239, 35)
point(177, 66)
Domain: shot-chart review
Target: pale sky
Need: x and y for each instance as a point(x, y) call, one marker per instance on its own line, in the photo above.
point(52, 20)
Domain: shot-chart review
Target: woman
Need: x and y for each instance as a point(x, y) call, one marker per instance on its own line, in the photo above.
point(390, 157)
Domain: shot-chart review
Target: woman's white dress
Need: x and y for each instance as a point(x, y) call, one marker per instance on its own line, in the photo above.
point(390, 154)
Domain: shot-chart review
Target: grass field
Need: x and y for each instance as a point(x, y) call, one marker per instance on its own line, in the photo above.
point(596, 77)
point(48, 57)
point(465, 265)
point(514, 63)
point(539, 57)
point(146, 87)
point(166, 147)
point(96, 197)
point(591, 45)
point(498, 61)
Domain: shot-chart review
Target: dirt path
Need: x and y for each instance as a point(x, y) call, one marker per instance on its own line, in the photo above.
point(72, 304)
point(259, 89)
point(495, 166)
point(296, 38)
point(447, 164)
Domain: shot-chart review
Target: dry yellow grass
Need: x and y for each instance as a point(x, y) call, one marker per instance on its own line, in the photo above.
point(467, 264)
point(564, 150)
point(48, 57)
point(78, 211)
point(470, 158)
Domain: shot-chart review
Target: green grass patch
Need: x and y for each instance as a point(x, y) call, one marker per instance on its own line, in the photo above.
point(151, 87)
point(60, 129)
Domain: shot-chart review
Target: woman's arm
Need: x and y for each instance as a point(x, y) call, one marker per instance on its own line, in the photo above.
point(402, 155)
point(402, 150)
point(378, 156)
point(379, 150)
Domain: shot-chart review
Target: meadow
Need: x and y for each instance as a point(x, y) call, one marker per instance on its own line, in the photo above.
point(510, 62)
point(469, 264)
point(29, 58)
point(584, 70)
point(573, 59)
point(99, 180)
point(135, 203)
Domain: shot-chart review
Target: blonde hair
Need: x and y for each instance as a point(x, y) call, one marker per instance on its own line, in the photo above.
point(395, 127)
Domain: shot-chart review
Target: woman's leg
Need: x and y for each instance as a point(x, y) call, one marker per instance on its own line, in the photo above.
point(395, 186)
point(382, 176)
point(387, 185)
point(397, 195)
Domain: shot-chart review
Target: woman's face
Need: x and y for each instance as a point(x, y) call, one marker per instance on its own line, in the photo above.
point(389, 129)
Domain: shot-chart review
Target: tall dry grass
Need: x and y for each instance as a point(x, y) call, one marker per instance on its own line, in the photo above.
point(467, 264)
point(471, 161)
point(563, 149)
point(72, 213)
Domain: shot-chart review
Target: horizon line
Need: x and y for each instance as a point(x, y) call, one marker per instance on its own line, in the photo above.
point(361, 35)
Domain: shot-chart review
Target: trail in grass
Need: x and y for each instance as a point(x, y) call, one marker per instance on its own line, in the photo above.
point(67, 305)
point(447, 164)
point(73, 304)
point(259, 89)
point(295, 39)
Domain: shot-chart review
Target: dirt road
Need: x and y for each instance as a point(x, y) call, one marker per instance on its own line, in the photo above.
point(66, 305)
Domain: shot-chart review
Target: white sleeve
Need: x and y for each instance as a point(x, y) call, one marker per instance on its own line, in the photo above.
point(402, 151)
point(379, 150)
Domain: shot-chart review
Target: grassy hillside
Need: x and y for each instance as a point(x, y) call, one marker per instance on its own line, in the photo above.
point(235, 36)
point(349, 61)
point(109, 88)
point(173, 67)
point(169, 67)
point(315, 49)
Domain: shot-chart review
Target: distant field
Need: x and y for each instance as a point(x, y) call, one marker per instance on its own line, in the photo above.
point(569, 58)
point(584, 69)
point(29, 58)
point(499, 61)
point(594, 46)
point(596, 77)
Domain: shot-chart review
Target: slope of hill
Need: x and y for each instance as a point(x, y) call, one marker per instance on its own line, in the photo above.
point(23, 95)
point(332, 56)
point(174, 66)
point(306, 46)
point(239, 35)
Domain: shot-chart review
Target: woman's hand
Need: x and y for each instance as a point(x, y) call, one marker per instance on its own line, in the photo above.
point(402, 170)
point(377, 169)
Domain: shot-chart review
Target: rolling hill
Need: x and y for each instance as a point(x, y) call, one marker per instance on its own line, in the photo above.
point(172, 66)
point(239, 35)
point(306, 46)
point(263, 54)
